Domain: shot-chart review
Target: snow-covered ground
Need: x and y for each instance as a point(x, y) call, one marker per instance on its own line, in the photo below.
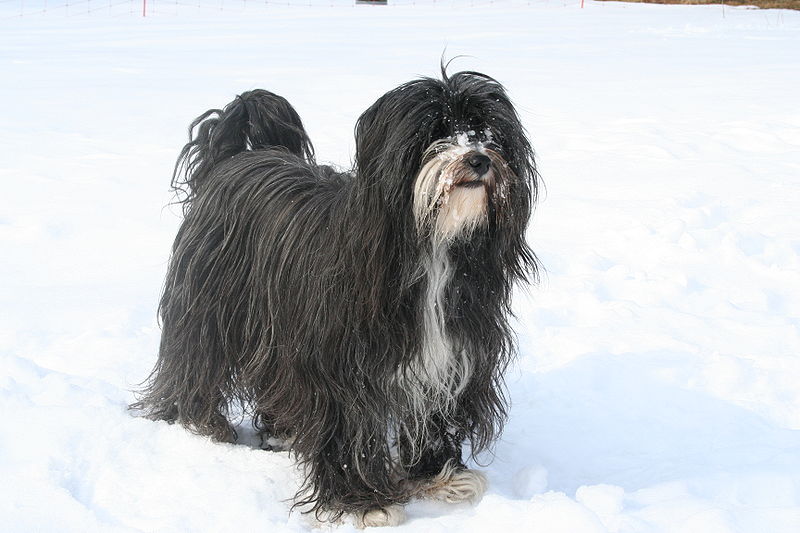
point(658, 388)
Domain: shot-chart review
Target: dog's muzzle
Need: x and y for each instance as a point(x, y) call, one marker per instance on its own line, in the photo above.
point(479, 167)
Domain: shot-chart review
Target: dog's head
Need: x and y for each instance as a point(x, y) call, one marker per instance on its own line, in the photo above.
point(450, 154)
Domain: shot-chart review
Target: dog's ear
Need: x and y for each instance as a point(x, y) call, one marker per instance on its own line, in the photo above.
point(392, 135)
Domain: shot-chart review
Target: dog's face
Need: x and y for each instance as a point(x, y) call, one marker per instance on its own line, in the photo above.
point(459, 178)
point(451, 153)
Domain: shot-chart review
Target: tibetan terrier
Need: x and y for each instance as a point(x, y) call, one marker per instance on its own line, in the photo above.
point(360, 318)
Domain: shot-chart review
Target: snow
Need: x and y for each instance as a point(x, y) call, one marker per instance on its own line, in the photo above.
point(658, 388)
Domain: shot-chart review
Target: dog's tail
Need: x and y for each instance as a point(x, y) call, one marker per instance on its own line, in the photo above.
point(255, 120)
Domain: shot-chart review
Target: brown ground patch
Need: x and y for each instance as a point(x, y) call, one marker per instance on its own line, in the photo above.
point(764, 4)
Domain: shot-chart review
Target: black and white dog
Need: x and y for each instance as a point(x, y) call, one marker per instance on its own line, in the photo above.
point(361, 317)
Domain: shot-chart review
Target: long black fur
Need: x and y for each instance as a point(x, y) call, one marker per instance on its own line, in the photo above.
point(296, 290)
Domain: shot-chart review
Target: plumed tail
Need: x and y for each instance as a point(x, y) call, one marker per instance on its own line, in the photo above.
point(255, 120)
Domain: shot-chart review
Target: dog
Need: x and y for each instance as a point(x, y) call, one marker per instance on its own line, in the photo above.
point(361, 318)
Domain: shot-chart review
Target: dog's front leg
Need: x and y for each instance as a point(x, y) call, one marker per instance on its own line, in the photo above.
point(352, 475)
point(435, 468)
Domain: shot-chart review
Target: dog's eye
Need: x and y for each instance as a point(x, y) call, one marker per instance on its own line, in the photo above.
point(494, 147)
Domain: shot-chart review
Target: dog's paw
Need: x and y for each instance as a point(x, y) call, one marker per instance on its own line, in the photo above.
point(455, 485)
point(272, 443)
point(392, 515)
point(386, 516)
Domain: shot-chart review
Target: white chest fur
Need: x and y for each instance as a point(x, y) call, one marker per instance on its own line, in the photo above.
point(442, 370)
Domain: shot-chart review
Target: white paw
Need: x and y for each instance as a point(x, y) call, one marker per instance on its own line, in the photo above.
point(387, 516)
point(455, 485)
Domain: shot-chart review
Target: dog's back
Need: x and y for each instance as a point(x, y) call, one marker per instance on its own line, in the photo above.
point(246, 177)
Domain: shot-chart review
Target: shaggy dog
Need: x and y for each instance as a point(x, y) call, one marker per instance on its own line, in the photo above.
point(360, 317)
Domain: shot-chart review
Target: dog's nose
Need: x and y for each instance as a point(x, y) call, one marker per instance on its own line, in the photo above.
point(479, 163)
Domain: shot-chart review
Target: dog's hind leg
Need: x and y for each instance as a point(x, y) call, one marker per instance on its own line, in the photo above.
point(188, 385)
point(207, 417)
point(201, 413)
point(272, 439)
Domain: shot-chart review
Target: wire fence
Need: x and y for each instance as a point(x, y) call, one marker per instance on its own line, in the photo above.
point(150, 8)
